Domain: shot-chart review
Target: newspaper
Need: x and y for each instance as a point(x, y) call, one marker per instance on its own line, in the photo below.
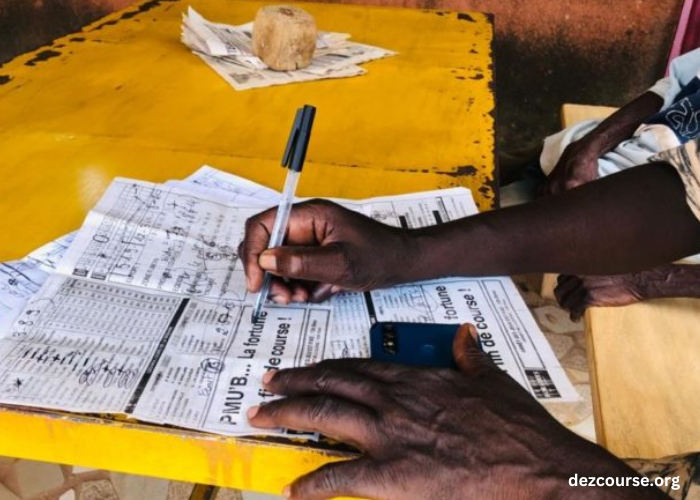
point(227, 50)
point(508, 332)
point(20, 280)
point(147, 313)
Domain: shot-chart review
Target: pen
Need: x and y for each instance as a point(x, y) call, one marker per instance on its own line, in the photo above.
point(293, 161)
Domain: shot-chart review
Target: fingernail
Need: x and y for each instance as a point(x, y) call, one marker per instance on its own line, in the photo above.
point(268, 261)
point(474, 335)
point(279, 299)
point(335, 289)
point(252, 411)
point(287, 491)
point(267, 377)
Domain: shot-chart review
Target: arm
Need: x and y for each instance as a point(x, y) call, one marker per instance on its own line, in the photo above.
point(624, 223)
point(622, 124)
point(671, 281)
point(576, 294)
point(579, 161)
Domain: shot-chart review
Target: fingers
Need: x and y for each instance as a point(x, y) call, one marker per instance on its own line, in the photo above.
point(467, 352)
point(355, 478)
point(285, 292)
point(579, 309)
point(576, 294)
point(256, 241)
point(575, 302)
point(568, 289)
point(323, 291)
point(380, 372)
point(566, 283)
point(308, 223)
point(281, 292)
point(325, 379)
point(300, 293)
point(326, 264)
point(334, 417)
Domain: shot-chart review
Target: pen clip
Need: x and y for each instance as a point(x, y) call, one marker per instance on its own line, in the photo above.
point(293, 139)
point(308, 113)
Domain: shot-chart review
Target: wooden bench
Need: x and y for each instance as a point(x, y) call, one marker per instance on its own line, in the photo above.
point(645, 366)
point(645, 377)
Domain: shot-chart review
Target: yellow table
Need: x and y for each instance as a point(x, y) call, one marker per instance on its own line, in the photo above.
point(126, 98)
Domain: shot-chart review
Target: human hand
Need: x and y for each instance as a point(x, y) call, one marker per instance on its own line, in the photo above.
point(328, 249)
point(433, 433)
point(578, 293)
point(577, 165)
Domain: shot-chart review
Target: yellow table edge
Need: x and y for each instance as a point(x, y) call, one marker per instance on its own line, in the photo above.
point(243, 463)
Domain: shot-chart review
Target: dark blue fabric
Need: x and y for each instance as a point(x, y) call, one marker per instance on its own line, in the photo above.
point(683, 116)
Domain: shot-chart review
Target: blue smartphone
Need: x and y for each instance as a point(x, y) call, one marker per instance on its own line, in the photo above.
point(414, 344)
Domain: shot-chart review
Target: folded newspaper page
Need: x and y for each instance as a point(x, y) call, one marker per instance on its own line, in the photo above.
point(20, 280)
point(508, 331)
point(227, 50)
point(147, 315)
point(144, 311)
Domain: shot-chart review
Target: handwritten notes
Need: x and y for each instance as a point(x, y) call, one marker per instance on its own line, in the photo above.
point(144, 311)
point(147, 314)
point(21, 279)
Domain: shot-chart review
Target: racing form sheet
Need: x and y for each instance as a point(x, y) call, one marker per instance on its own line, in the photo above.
point(145, 312)
point(508, 332)
point(147, 315)
point(20, 280)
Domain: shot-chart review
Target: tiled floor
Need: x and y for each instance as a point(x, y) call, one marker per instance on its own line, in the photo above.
point(26, 480)
point(568, 342)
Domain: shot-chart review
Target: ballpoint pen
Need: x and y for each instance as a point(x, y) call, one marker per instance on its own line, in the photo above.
point(293, 161)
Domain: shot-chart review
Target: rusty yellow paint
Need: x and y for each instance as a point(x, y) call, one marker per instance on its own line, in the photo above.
point(126, 98)
point(160, 452)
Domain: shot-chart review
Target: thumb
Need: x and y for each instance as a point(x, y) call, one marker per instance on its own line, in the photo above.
point(357, 478)
point(327, 263)
point(466, 349)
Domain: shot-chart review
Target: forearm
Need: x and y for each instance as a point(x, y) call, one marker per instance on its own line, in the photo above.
point(622, 124)
point(670, 281)
point(623, 223)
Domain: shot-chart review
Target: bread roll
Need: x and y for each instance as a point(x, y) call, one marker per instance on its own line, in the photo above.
point(284, 37)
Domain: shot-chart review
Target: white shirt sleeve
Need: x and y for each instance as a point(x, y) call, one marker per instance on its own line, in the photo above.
point(682, 70)
point(662, 88)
